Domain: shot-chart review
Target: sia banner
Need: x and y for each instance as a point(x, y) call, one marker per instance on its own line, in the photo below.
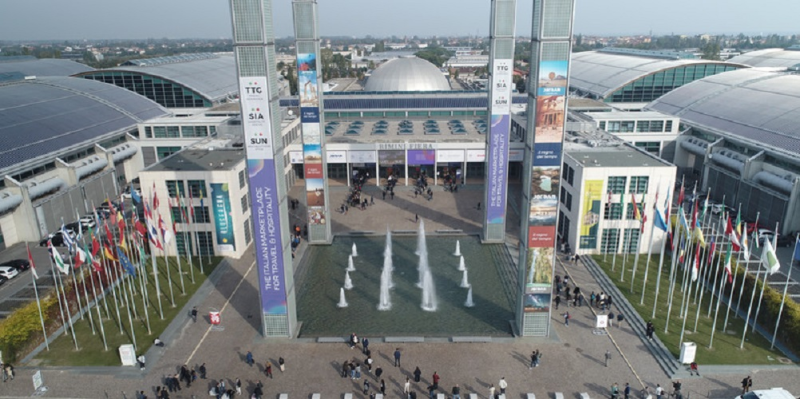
point(264, 194)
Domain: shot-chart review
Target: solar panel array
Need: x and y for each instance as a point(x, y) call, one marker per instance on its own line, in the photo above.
point(43, 67)
point(46, 115)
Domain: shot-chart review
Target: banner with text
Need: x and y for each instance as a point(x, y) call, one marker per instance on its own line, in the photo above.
point(313, 161)
point(497, 149)
point(590, 220)
point(223, 220)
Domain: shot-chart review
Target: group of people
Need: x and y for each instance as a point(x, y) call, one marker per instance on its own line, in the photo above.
point(7, 370)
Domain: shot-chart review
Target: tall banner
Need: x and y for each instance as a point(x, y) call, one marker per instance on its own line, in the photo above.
point(223, 220)
point(308, 90)
point(590, 218)
point(263, 193)
point(497, 157)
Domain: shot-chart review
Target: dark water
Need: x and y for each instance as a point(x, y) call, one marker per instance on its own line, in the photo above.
point(319, 295)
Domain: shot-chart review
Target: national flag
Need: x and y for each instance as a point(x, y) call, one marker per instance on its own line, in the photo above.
point(683, 221)
point(681, 195)
point(109, 236)
point(732, 236)
point(636, 214)
point(695, 220)
point(712, 249)
point(745, 245)
point(135, 196)
point(140, 228)
point(60, 265)
point(79, 236)
point(164, 230)
point(126, 263)
point(769, 258)
point(95, 246)
point(155, 197)
point(183, 211)
point(111, 210)
point(30, 260)
point(728, 256)
point(80, 257)
point(705, 208)
point(90, 255)
point(109, 255)
point(739, 223)
point(698, 236)
point(122, 243)
point(754, 238)
point(121, 222)
point(67, 238)
point(658, 219)
point(191, 207)
point(696, 267)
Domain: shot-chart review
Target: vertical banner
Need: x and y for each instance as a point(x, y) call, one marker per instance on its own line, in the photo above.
point(264, 194)
point(590, 219)
point(223, 220)
point(308, 90)
point(497, 156)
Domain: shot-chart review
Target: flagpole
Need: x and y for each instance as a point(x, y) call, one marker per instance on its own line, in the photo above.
point(97, 307)
point(733, 288)
point(750, 308)
point(621, 214)
point(685, 313)
point(608, 241)
point(764, 286)
point(650, 245)
point(785, 289)
point(746, 265)
point(706, 271)
point(175, 231)
point(128, 309)
point(187, 243)
point(72, 268)
point(55, 284)
point(193, 223)
point(83, 275)
point(66, 306)
point(716, 270)
point(111, 286)
point(143, 286)
point(197, 239)
point(166, 264)
point(672, 274)
point(658, 275)
point(639, 240)
point(155, 277)
point(716, 308)
point(34, 275)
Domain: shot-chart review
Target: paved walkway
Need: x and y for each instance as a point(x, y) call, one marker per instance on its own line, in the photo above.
point(572, 361)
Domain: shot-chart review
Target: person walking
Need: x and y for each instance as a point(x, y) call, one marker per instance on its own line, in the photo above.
point(503, 385)
point(407, 387)
point(436, 380)
point(364, 345)
point(693, 369)
point(491, 392)
point(566, 318)
point(378, 372)
point(345, 367)
point(659, 391)
point(249, 358)
point(456, 392)
point(557, 301)
point(747, 383)
point(353, 340)
point(140, 359)
point(238, 386)
point(533, 360)
point(610, 318)
point(627, 391)
point(268, 369)
point(383, 388)
point(614, 391)
point(203, 371)
point(397, 357)
point(194, 314)
point(620, 319)
point(608, 357)
point(417, 374)
point(366, 387)
point(281, 364)
point(358, 371)
point(416, 218)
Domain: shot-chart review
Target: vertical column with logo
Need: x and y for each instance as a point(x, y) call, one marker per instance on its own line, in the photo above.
point(497, 152)
point(264, 194)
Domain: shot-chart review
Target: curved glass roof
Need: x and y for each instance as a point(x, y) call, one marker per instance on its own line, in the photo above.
point(755, 105)
point(42, 116)
point(771, 57)
point(407, 74)
point(41, 67)
point(212, 76)
point(601, 74)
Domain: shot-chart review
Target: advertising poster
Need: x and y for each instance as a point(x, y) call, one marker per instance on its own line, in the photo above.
point(312, 159)
point(264, 194)
point(309, 115)
point(316, 215)
point(361, 156)
point(552, 78)
point(539, 270)
point(223, 219)
point(502, 80)
point(336, 156)
point(450, 156)
point(536, 303)
point(421, 157)
point(391, 157)
point(311, 133)
point(546, 154)
point(590, 220)
point(543, 210)
point(315, 188)
point(498, 169)
point(476, 155)
point(541, 236)
point(550, 119)
point(307, 88)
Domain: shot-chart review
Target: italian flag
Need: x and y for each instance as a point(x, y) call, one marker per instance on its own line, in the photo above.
point(728, 263)
point(60, 265)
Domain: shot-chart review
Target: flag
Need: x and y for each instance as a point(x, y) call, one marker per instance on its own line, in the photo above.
point(696, 267)
point(109, 255)
point(732, 235)
point(109, 236)
point(658, 219)
point(30, 260)
point(67, 238)
point(705, 208)
point(122, 244)
point(60, 265)
point(681, 195)
point(79, 236)
point(155, 197)
point(769, 259)
point(126, 263)
point(95, 246)
point(728, 263)
point(712, 249)
point(698, 235)
point(135, 196)
point(636, 214)
point(90, 256)
point(739, 223)
point(164, 230)
point(120, 222)
point(695, 220)
point(140, 228)
point(191, 207)
point(683, 221)
point(745, 246)
point(183, 211)
point(80, 257)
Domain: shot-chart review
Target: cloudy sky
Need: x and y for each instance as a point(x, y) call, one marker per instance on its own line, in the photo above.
point(100, 19)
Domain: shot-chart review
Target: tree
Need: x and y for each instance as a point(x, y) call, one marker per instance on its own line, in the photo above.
point(379, 47)
point(711, 51)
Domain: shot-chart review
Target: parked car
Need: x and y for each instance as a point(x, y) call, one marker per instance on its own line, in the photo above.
point(3, 280)
point(8, 272)
point(719, 208)
point(88, 222)
point(772, 393)
point(19, 264)
point(787, 240)
point(127, 194)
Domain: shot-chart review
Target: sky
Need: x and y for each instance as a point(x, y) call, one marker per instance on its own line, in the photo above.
point(176, 19)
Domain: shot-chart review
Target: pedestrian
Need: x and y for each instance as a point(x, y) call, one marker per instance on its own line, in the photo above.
point(371, 200)
point(491, 392)
point(610, 318)
point(140, 359)
point(608, 357)
point(407, 387)
point(378, 372)
point(353, 340)
point(345, 367)
point(258, 392)
point(557, 301)
point(566, 318)
point(249, 358)
point(368, 362)
point(366, 387)
point(417, 374)
point(609, 301)
point(747, 383)
point(158, 342)
point(614, 391)
point(534, 359)
point(620, 319)
point(579, 299)
point(503, 385)
point(203, 371)
point(364, 345)
point(358, 371)
point(238, 386)
point(268, 369)
point(193, 374)
point(627, 391)
point(383, 388)
point(456, 392)
point(281, 364)
point(591, 299)
point(397, 357)
point(194, 314)
point(693, 369)
point(436, 380)
point(659, 391)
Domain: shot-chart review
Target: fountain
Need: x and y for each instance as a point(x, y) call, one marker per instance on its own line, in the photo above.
point(386, 282)
point(355, 252)
point(348, 283)
point(422, 252)
point(387, 268)
point(458, 248)
point(461, 265)
point(429, 302)
point(350, 267)
point(469, 302)
point(421, 245)
point(342, 302)
point(387, 250)
point(464, 281)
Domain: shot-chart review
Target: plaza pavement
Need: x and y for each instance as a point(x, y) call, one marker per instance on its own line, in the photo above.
point(572, 356)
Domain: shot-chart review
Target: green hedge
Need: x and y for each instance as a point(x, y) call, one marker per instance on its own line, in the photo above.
point(23, 328)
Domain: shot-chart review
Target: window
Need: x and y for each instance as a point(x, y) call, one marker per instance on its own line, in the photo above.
point(616, 184)
point(563, 195)
point(643, 126)
point(197, 188)
point(173, 186)
point(668, 126)
point(626, 126)
point(247, 232)
point(173, 131)
point(242, 180)
point(148, 132)
point(570, 176)
point(201, 215)
point(176, 214)
point(653, 147)
point(569, 201)
point(244, 203)
point(631, 242)
point(163, 152)
point(184, 243)
point(205, 243)
point(613, 211)
point(602, 125)
point(656, 126)
point(613, 126)
point(629, 210)
point(639, 184)
point(610, 241)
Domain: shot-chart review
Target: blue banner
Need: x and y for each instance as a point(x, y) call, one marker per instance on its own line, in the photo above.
point(223, 221)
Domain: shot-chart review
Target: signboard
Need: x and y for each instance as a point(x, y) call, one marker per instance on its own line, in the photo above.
point(312, 161)
point(336, 156)
point(421, 157)
point(498, 169)
point(552, 78)
point(450, 156)
point(537, 303)
point(590, 219)
point(265, 205)
point(296, 157)
point(223, 219)
point(215, 318)
point(127, 355)
point(361, 157)
point(38, 382)
point(391, 157)
point(516, 155)
point(476, 155)
point(601, 321)
point(502, 80)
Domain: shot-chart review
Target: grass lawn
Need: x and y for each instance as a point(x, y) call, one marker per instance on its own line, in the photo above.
point(726, 343)
point(91, 353)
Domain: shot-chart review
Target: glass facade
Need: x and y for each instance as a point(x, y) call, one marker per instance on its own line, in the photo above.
point(616, 184)
point(167, 94)
point(653, 86)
